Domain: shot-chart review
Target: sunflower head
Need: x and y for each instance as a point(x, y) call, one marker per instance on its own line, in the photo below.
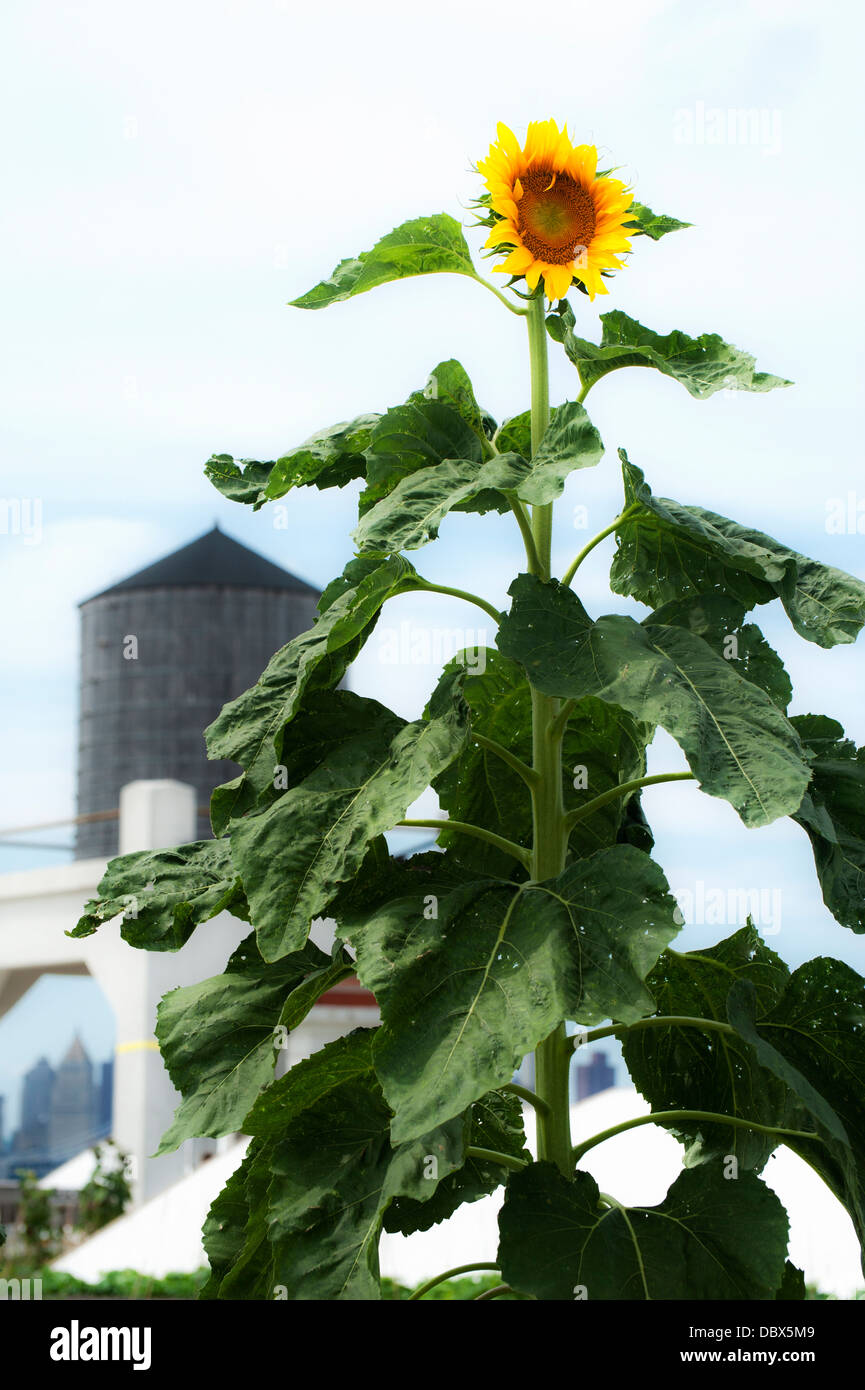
point(551, 212)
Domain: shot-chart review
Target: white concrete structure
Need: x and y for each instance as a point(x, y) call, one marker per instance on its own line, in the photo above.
point(38, 906)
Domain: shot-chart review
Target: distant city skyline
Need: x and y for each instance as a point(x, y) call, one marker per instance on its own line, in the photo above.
point(62, 1110)
point(42, 1023)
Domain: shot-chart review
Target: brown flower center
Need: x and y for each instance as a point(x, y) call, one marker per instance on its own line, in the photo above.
point(554, 222)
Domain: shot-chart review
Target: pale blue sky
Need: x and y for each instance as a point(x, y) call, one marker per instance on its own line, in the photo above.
point(175, 173)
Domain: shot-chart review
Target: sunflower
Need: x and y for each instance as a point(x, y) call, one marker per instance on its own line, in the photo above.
point(557, 218)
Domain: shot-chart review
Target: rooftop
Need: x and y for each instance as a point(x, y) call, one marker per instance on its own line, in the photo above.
point(213, 559)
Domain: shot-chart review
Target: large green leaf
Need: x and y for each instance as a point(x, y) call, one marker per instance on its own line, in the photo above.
point(328, 1173)
point(833, 815)
point(329, 458)
point(249, 729)
point(296, 853)
point(418, 470)
point(683, 1067)
point(383, 877)
point(667, 551)
point(163, 894)
point(703, 365)
point(719, 621)
point(415, 436)
point(495, 1122)
point(813, 1040)
point(218, 1038)
point(450, 384)
point(738, 743)
point(569, 442)
point(410, 514)
point(244, 480)
point(467, 992)
point(423, 246)
point(643, 222)
point(602, 746)
point(710, 1238)
point(235, 1234)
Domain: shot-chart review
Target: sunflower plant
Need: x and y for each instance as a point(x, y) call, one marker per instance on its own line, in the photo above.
point(541, 921)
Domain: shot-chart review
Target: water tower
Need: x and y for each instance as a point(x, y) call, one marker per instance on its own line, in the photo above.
point(161, 653)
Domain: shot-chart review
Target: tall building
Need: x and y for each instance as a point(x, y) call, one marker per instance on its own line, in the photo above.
point(161, 653)
point(60, 1113)
point(594, 1075)
point(36, 1088)
point(74, 1103)
point(106, 1093)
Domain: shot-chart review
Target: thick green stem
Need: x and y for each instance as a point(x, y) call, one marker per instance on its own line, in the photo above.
point(542, 516)
point(549, 840)
point(674, 1117)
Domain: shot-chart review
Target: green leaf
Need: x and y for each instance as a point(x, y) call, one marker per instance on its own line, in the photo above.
point(738, 744)
point(249, 730)
point(792, 1285)
point(235, 1235)
point(218, 1039)
point(427, 459)
point(449, 383)
point(423, 246)
point(719, 621)
point(667, 551)
point(330, 1173)
point(418, 435)
point(569, 442)
point(164, 894)
point(339, 1063)
point(466, 993)
point(702, 365)
point(708, 1239)
point(244, 482)
point(813, 1039)
point(515, 435)
point(383, 877)
point(602, 746)
point(643, 222)
point(410, 514)
point(689, 1068)
point(495, 1122)
point(314, 837)
point(329, 458)
point(833, 815)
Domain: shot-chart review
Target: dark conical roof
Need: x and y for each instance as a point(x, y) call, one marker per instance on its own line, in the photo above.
point(213, 559)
